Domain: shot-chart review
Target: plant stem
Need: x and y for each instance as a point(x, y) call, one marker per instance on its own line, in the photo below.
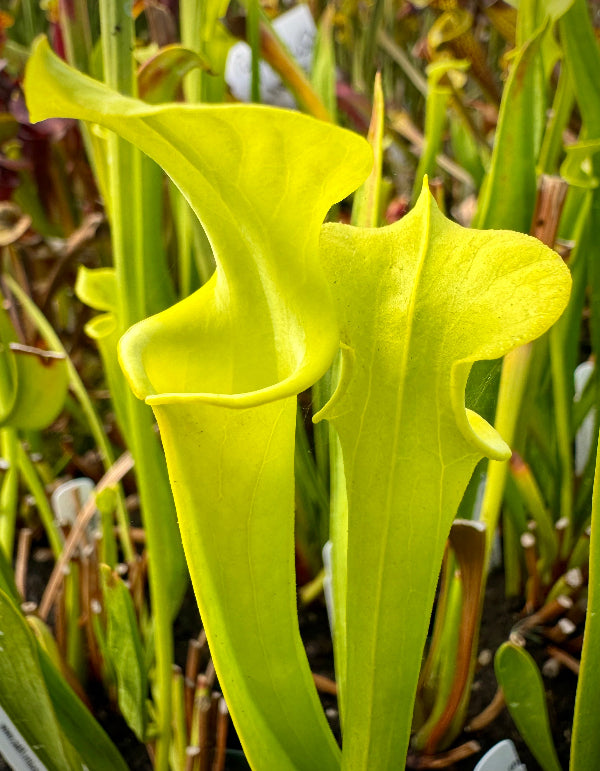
point(254, 41)
point(512, 386)
point(36, 488)
point(532, 497)
point(75, 29)
point(553, 137)
point(129, 199)
point(403, 61)
point(9, 492)
point(585, 745)
point(562, 412)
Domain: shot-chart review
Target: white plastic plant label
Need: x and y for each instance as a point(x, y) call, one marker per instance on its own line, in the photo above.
point(297, 30)
point(14, 749)
point(68, 499)
point(584, 438)
point(328, 583)
point(502, 757)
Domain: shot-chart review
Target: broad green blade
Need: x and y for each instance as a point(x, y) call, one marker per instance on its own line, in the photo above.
point(521, 682)
point(419, 302)
point(23, 693)
point(60, 716)
point(88, 738)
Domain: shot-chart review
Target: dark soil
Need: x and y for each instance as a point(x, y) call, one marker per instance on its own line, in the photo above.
point(498, 619)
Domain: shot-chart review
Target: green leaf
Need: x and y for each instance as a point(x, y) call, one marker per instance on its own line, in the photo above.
point(241, 560)
point(59, 712)
point(585, 744)
point(33, 382)
point(251, 339)
point(465, 148)
point(203, 31)
point(23, 692)
point(87, 737)
point(507, 197)
point(235, 198)
point(419, 302)
point(556, 8)
point(521, 682)
point(263, 329)
point(259, 332)
point(439, 77)
point(323, 74)
point(40, 387)
point(366, 208)
point(582, 59)
point(98, 289)
point(577, 168)
point(124, 649)
point(7, 578)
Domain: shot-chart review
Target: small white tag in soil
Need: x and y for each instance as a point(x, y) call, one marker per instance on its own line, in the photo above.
point(297, 30)
point(14, 749)
point(69, 498)
point(502, 757)
point(584, 438)
point(328, 584)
